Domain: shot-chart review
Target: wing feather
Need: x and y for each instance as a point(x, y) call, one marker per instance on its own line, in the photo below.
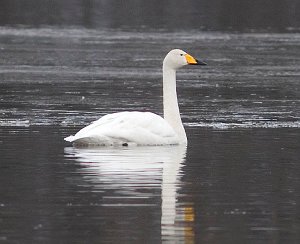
point(131, 127)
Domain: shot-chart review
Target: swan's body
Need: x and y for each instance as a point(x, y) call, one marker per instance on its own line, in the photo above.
point(143, 128)
point(125, 128)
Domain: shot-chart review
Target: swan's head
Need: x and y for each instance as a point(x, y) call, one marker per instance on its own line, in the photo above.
point(177, 58)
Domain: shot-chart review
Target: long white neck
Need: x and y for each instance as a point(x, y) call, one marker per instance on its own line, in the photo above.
point(171, 109)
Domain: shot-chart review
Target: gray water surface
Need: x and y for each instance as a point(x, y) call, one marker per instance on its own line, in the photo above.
point(237, 180)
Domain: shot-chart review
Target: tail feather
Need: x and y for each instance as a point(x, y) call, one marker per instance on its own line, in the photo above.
point(70, 138)
point(96, 141)
point(86, 140)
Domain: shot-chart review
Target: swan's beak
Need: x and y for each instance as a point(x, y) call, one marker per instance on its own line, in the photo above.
point(191, 60)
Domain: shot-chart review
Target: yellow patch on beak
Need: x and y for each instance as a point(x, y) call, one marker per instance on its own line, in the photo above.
point(190, 59)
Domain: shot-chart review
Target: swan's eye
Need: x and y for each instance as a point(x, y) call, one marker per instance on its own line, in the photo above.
point(181, 54)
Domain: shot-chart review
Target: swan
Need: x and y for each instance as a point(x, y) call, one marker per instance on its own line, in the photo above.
point(143, 128)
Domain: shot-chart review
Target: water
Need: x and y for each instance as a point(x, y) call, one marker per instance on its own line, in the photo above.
point(213, 15)
point(237, 181)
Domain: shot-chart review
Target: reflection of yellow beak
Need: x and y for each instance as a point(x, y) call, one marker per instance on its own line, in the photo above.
point(190, 59)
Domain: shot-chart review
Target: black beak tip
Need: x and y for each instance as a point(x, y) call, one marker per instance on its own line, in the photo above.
point(200, 62)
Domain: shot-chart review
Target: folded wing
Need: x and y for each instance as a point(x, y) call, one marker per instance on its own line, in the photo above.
point(140, 128)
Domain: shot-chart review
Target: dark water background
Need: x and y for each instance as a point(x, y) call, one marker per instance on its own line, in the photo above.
point(66, 64)
point(216, 15)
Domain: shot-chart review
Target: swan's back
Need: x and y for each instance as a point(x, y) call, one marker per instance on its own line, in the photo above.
point(126, 128)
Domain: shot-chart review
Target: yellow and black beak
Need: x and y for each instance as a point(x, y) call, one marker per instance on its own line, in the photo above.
point(192, 61)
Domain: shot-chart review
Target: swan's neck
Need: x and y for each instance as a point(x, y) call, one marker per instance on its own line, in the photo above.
point(171, 109)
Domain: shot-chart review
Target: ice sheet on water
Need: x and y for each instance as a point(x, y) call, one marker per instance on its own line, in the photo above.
point(213, 125)
point(14, 123)
point(246, 124)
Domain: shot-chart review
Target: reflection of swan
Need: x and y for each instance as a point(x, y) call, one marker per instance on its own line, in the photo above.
point(127, 169)
point(133, 173)
point(143, 128)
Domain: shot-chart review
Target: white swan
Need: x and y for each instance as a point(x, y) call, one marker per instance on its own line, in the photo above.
point(143, 128)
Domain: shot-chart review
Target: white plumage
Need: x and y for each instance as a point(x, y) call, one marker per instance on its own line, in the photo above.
point(143, 128)
point(127, 128)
